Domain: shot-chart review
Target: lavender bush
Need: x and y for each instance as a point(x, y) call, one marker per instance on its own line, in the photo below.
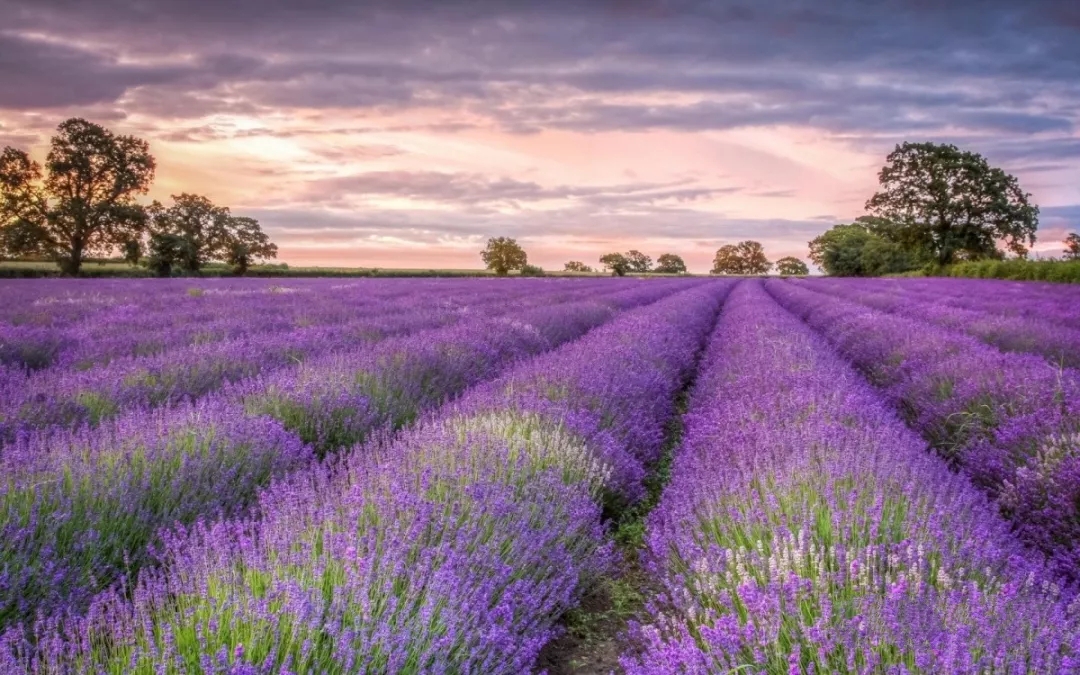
point(455, 549)
point(806, 530)
point(82, 507)
point(1059, 344)
point(1007, 420)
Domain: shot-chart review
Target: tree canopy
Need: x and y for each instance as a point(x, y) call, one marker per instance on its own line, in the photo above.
point(856, 250)
point(83, 202)
point(669, 263)
point(1072, 246)
point(503, 254)
point(576, 266)
point(792, 267)
point(638, 262)
point(948, 204)
point(746, 257)
point(195, 231)
point(616, 263)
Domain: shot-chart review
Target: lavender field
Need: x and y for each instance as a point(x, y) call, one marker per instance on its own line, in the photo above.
point(243, 476)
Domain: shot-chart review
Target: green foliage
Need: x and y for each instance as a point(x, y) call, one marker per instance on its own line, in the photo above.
point(532, 271)
point(746, 257)
point(855, 250)
point(669, 263)
point(502, 255)
point(245, 242)
point(1072, 246)
point(1017, 269)
point(939, 202)
point(638, 262)
point(83, 203)
point(791, 267)
point(576, 266)
point(207, 232)
point(132, 249)
point(24, 239)
point(616, 263)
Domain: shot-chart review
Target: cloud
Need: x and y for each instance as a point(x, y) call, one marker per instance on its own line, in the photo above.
point(475, 190)
point(438, 107)
point(839, 66)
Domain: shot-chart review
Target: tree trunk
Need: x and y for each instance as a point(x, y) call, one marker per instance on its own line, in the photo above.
point(72, 263)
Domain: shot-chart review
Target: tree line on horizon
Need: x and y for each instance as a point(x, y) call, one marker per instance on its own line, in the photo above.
point(82, 203)
point(936, 205)
point(503, 255)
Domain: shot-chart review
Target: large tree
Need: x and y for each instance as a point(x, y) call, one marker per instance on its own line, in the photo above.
point(638, 261)
point(1072, 246)
point(746, 257)
point(951, 204)
point(83, 203)
point(502, 255)
point(195, 231)
point(669, 263)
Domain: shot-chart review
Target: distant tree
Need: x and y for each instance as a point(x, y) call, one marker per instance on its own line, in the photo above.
point(502, 255)
point(616, 263)
point(245, 243)
point(209, 233)
point(746, 257)
point(669, 263)
point(532, 271)
point(947, 204)
point(84, 201)
point(576, 266)
point(727, 260)
point(168, 252)
point(753, 256)
point(197, 221)
point(1072, 246)
point(792, 267)
point(856, 250)
point(638, 262)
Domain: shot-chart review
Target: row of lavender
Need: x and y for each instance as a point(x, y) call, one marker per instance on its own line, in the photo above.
point(84, 323)
point(807, 530)
point(1055, 303)
point(453, 549)
point(64, 395)
point(1009, 421)
point(983, 311)
point(78, 508)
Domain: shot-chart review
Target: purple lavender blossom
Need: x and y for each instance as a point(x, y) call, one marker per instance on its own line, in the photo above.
point(453, 549)
point(806, 530)
point(1007, 420)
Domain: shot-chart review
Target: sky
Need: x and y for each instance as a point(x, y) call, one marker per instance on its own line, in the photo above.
point(398, 133)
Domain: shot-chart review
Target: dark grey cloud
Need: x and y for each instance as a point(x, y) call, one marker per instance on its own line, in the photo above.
point(843, 65)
